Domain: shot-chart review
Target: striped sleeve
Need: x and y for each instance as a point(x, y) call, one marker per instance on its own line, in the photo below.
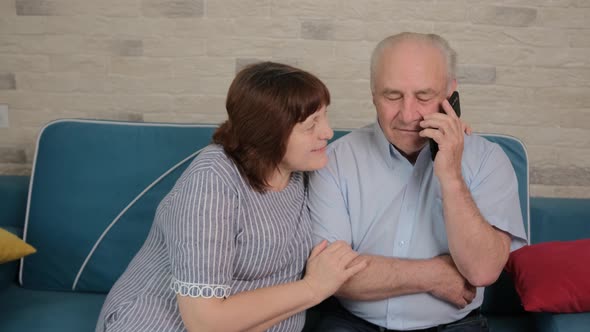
point(199, 232)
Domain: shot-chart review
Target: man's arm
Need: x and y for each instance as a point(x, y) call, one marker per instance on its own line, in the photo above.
point(386, 277)
point(479, 249)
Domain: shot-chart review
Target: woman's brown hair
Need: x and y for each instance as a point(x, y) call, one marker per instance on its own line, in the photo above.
point(264, 102)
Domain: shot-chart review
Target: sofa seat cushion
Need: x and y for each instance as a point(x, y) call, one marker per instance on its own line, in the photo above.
point(578, 322)
point(33, 310)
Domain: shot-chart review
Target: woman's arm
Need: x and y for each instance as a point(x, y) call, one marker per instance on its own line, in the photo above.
point(259, 309)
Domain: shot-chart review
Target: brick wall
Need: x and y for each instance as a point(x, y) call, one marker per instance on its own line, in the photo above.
point(524, 65)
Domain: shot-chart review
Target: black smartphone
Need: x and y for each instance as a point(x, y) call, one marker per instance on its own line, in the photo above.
point(454, 101)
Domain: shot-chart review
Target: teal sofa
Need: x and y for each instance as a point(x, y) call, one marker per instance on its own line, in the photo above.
point(89, 204)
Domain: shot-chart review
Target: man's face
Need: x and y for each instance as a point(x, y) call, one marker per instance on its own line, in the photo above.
point(410, 82)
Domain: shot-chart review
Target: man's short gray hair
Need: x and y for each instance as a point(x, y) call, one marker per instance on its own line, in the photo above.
point(434, 39)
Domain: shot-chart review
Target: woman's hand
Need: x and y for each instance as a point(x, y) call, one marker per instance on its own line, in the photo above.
point(328, 268)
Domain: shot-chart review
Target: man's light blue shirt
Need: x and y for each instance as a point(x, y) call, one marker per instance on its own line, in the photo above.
point(372, 197)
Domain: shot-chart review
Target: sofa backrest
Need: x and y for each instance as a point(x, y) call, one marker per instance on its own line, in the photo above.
point(86, 173)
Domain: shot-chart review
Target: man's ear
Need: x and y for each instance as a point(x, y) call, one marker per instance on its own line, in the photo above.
point(453, 87)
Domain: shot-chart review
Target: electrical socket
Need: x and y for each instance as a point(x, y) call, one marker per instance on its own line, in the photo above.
point(4, 116)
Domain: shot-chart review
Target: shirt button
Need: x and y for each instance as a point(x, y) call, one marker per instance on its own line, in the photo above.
point(402, 243)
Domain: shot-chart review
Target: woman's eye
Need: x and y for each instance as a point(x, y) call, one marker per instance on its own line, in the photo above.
point(311, 127)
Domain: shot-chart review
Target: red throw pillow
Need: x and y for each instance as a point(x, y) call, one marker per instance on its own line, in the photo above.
point(552, 276)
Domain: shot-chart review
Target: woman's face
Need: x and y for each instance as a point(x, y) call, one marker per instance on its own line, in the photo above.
point(306, 147)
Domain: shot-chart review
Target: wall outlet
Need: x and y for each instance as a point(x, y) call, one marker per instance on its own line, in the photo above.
point(4, 116)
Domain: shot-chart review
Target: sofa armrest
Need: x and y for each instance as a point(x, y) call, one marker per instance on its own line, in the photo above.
point(13, 204)
point(559, 219)
point(13, 200)
point(9, 270)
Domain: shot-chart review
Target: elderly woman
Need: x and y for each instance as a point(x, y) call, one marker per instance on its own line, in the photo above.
point(230, 242)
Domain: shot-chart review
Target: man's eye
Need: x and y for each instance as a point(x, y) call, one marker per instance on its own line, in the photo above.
point(393, 97)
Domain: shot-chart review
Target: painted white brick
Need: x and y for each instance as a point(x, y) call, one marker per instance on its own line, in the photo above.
point(503, 15)
point(543, 77)
point(565, 17)
point(561, 176)
point(14, 155)
point(539, 190)
point(15, 169)
point(240, 47)
point(302, 49)
point(197, 84)
point(204, 66)
point(350, 113)
point(7, 81)
point(40, 45)
point(336, 69)
point(177, 8)
point(8, 7)
point(579, 38)
point(493, 96)
point(529, 116)
point(103, 26)
point(333, 30)
point(78, 63)
point(37, 119)
point(204, 28)
point(479, 53)
point(356, 51)
point(35, 7)
point(495, 35)
point(560, 57)
point(264, 28)
point(346, 9)
point(377, 31)
point(548, 156)
point(476, 74)
point(422, 10)
point(238, 8)
point(64, 82)
point(346, 89)
point(141, 67)
point(212, 105)
point(575, 97)
point(141, 103)
point(73, 8)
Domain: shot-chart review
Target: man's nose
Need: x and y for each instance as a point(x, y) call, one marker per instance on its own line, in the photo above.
point(409, 111)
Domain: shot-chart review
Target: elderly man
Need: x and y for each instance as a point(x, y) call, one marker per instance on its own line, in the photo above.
point(433, 233)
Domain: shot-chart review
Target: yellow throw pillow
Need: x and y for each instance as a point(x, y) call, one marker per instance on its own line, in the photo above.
point(12, 247)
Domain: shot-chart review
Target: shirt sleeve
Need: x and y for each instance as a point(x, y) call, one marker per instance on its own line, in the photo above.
point(327, 205)
point(495, 191)
point(199, 233)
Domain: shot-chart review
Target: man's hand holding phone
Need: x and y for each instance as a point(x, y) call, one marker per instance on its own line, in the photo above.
point(445, 131)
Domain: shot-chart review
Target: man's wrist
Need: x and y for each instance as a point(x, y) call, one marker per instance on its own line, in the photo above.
point(452, 184)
